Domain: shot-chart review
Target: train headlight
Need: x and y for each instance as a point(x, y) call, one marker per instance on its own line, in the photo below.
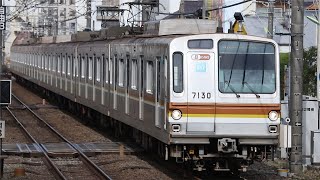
point(273, 115)
point(176, 114)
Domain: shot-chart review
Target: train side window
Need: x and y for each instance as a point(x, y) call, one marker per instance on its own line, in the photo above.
point(46, 62)
point(75, 64)
point(177, 72)
point(106, 70)
point(49, 62)
point(121, 73)
point(134, 74)
point(98, 69)
point(69, 65)
point(90, 68)
point(149, 77)
point(63, 64)
point(54, 63)
point(42, 61)
point(78, 65)
point(111, 71)
point(83, 66)
point(59, 63)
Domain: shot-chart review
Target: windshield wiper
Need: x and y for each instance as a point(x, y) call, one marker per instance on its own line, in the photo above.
point(232, 89)
point(251, 89)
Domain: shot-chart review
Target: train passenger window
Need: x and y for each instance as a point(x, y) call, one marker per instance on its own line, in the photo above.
point(149, 77)
point(111, 71)
point(200, 44)
point(106, 69)
point(121, 73)
point(134, 74)
point(46, 62)
point(54, 63)
point(42, 61)
point(39, 60)
point(69, 65)
point(98, 70)
point(59, 64)
point(83, 66)
point(177, 72)
point(49, 62)
point(75, 63)
point(90, 68)
point(78, 66)
point(63, 64)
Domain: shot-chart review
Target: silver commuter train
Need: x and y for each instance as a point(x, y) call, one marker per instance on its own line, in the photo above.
point(209, 99)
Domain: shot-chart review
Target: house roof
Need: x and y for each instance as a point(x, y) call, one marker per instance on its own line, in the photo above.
point(257, 26)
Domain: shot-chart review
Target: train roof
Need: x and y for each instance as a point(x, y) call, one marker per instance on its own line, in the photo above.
point(165, 27)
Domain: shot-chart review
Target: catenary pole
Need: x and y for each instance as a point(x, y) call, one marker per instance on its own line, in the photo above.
point(318, 54)
point(88, 14)
point(270, 19)
point(295, 100)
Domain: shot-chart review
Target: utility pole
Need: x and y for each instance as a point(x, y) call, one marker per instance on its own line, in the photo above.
point(296, 68)
point(204, 9)
point(318, 55)
point(89, 14)
point(270, 19)
point(181, 9)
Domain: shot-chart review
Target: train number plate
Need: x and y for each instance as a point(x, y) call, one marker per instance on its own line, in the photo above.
point(201, 95)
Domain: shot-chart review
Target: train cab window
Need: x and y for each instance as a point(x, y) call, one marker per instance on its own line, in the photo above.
point(134, 74)
point(98, 69)
point(200, 44)
point(149, 77)
point(177, 72)
point(246, 67)
point(69, 65)
point(121, 73)
point(90, 68)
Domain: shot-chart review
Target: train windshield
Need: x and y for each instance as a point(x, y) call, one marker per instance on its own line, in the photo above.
point(246, 67)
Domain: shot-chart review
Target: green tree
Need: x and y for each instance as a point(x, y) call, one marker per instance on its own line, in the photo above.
point(309, 71)
point(284, 60)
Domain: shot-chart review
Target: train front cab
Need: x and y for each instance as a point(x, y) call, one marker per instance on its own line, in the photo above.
point(224, 101)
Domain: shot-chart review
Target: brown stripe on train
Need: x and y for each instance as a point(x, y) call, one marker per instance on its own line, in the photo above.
point(224, 108)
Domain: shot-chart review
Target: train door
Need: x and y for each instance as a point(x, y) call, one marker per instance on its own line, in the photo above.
point(159, 95)
point(127, 69)
point(141, 88)
point(200, 91)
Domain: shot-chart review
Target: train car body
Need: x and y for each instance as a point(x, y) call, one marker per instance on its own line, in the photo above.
point(210, 99)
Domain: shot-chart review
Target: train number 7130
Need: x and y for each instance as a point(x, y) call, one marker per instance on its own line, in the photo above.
point(201, 95)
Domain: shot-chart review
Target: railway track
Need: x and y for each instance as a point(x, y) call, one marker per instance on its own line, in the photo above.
point(45, 133)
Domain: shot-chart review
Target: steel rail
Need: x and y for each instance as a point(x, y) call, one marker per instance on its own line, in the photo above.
point(96, 169)
point(56, 172)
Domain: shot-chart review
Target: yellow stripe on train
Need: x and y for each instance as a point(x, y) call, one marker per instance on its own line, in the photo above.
point(226, 115)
